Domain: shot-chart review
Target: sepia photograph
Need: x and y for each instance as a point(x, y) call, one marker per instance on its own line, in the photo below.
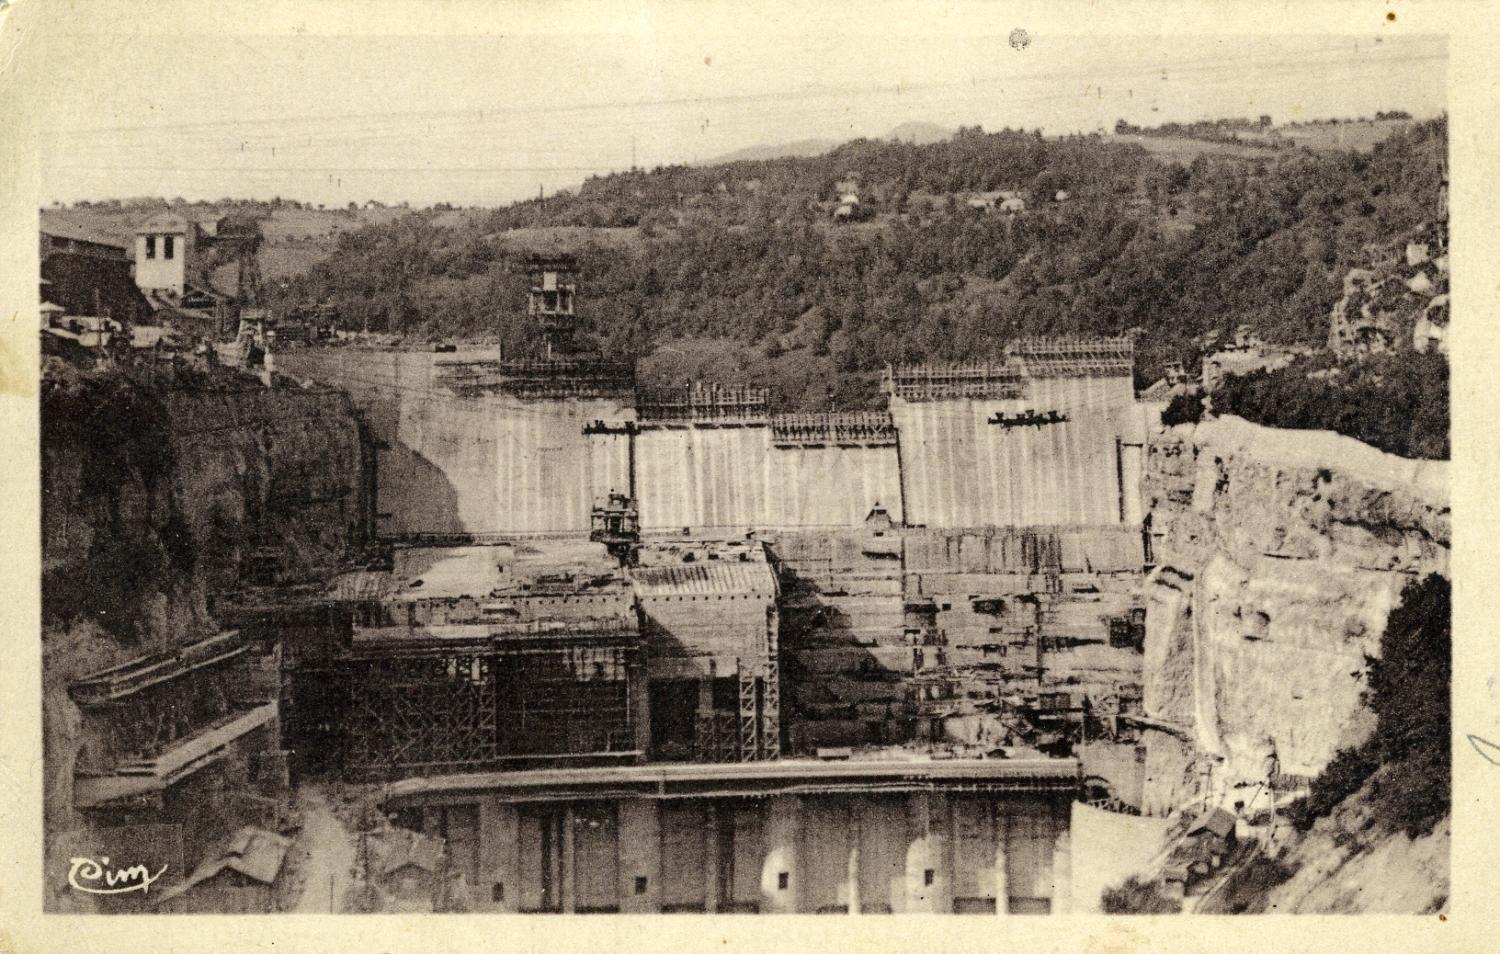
point(644, 471)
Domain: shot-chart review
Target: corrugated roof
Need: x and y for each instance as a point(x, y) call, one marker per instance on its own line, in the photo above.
point(716, 577)
point(62, 227)
point(361, 586)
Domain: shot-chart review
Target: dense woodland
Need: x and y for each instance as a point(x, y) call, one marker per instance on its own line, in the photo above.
point(1397, 402)
point(1406, 761)
point(737, 271)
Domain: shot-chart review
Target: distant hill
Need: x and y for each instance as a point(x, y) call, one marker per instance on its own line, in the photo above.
point(917, 133)
point(802, 148)
point(920, 133)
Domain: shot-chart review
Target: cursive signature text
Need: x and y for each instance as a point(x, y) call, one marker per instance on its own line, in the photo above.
point(97, 877)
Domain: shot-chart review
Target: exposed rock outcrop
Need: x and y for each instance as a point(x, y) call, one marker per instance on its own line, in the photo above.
point(1279, 556)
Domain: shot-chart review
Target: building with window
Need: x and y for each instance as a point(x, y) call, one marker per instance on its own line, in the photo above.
point(164, 244)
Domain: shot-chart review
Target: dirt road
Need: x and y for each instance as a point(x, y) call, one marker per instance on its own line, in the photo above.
point(328, 862)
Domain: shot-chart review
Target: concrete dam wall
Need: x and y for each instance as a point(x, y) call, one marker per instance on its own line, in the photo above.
point(959, 468)
point(466, 450)
point(454, 461)
point(736, 476)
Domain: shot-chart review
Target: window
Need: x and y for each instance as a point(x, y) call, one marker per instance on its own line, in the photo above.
point(166, 246)
point(927, 877)
point(150, 246)
point(640, 885)
point(497, 893)
point(782, 880)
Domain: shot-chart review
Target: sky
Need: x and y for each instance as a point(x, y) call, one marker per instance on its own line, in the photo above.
point(485, 120)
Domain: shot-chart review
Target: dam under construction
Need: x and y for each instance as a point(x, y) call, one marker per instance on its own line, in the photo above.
point(473, 444)
point(620, 648)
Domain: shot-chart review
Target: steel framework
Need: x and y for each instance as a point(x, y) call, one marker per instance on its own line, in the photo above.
point(467, 710)
point(994, 380)
point(701, 402)
point(1075, 357)
point(864, 428)
point(556, 377)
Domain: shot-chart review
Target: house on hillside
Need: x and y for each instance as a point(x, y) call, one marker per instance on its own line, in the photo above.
point(164, 244)
point(1003, 200)
point(1204, 848)
point(1245, 354)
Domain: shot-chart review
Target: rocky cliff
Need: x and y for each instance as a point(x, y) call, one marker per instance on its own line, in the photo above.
point(1279, 556)
point(162, 488)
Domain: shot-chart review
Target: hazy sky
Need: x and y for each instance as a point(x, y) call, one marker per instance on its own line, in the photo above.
point(489, 119)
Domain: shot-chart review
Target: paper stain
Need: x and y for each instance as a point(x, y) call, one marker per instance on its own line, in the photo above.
point(18, 376)
point(1120, 940)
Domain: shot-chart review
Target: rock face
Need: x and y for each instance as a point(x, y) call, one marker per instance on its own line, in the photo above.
point(160, 490)
point(1279, 555)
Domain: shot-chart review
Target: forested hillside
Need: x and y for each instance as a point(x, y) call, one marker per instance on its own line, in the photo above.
point(739, 271)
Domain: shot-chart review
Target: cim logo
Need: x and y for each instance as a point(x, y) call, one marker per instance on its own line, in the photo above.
point(97, 877)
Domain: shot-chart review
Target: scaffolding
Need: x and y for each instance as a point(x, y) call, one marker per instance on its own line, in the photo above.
point(716, 738)
point(1006, 378)
point(702, 402)
point(426, 706)
point(856, 428)
point(538, 378)
point(993, 380)
point(770, 694)
point(1075, 357)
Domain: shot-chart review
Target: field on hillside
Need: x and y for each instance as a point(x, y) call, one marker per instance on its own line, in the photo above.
point(1355, 136)
point(1186, 150)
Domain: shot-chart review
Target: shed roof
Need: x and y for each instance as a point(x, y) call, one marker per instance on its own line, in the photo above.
point(61, 226)
point(1217, 822)
point(253, 852)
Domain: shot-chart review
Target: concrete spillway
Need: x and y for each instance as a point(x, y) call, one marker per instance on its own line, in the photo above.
point(483, 459)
